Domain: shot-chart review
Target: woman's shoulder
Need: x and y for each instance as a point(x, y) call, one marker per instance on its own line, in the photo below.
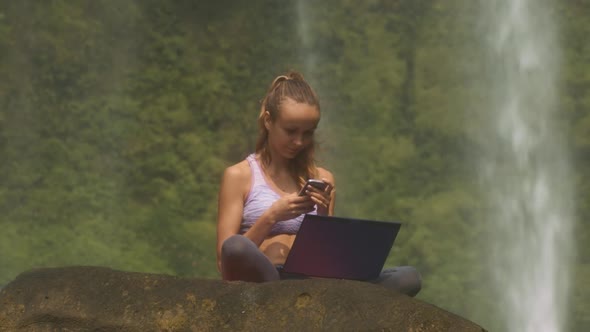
point(324, 173)
point(238, 172)
point(236, 179)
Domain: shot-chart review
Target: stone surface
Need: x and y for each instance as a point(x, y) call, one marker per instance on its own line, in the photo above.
point(101, 299)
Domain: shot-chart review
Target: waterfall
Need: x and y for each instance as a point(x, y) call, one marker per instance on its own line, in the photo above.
point(307, 53)
point(524, 166)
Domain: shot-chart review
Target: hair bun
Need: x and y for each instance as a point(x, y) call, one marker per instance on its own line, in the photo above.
point(279, 79)
point(294, 75)
point(291, 75)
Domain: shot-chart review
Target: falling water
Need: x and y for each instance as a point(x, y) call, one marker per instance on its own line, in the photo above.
point(524, 166)
point(307, 54)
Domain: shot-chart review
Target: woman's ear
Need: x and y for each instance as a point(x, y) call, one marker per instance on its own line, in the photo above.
point(267, 120)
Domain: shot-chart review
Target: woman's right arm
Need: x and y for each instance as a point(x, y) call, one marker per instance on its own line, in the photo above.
point(235, 185)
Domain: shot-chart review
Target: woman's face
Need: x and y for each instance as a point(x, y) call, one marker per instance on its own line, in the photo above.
point(293, 129)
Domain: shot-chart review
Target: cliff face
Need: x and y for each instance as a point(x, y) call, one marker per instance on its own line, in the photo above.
point(101, 299)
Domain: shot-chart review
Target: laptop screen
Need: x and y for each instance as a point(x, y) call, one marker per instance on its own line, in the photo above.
point(345, 248)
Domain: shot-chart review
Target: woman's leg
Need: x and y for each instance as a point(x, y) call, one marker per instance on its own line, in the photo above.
point(242, 260)
point(404, 279)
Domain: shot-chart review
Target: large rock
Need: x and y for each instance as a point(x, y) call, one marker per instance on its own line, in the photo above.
point(101, 299)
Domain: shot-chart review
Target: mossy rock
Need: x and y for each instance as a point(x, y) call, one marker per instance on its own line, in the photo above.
point(102, 299)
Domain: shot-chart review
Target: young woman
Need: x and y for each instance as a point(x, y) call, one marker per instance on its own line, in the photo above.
point(260, 211)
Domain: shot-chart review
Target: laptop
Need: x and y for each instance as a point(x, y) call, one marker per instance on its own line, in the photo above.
point(343, 248)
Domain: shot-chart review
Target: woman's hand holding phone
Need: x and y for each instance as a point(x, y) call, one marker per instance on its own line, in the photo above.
point(313, 183)
point(320, 191)
point(291, 206)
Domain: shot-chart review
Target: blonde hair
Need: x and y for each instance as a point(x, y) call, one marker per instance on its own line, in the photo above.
point(291, 85)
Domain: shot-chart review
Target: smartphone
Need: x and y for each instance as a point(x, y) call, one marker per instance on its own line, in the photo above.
point(319, 184)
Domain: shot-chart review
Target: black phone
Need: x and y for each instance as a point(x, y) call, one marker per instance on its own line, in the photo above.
point(319, 184)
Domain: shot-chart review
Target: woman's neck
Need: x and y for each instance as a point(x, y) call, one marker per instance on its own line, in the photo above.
point(278, 166)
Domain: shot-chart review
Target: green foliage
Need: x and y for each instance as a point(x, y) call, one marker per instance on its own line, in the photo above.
point(118, 118)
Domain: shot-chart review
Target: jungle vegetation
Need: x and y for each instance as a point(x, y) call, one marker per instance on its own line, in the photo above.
point(117, 119)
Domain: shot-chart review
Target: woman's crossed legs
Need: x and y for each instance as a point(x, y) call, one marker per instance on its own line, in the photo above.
point(242, 260)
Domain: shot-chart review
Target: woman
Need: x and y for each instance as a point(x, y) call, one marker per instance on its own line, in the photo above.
point(260, 210)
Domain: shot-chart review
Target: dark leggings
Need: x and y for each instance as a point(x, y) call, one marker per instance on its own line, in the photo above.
point(242, 260)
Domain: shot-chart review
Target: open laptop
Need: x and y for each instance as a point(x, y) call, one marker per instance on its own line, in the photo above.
point(344, 248)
